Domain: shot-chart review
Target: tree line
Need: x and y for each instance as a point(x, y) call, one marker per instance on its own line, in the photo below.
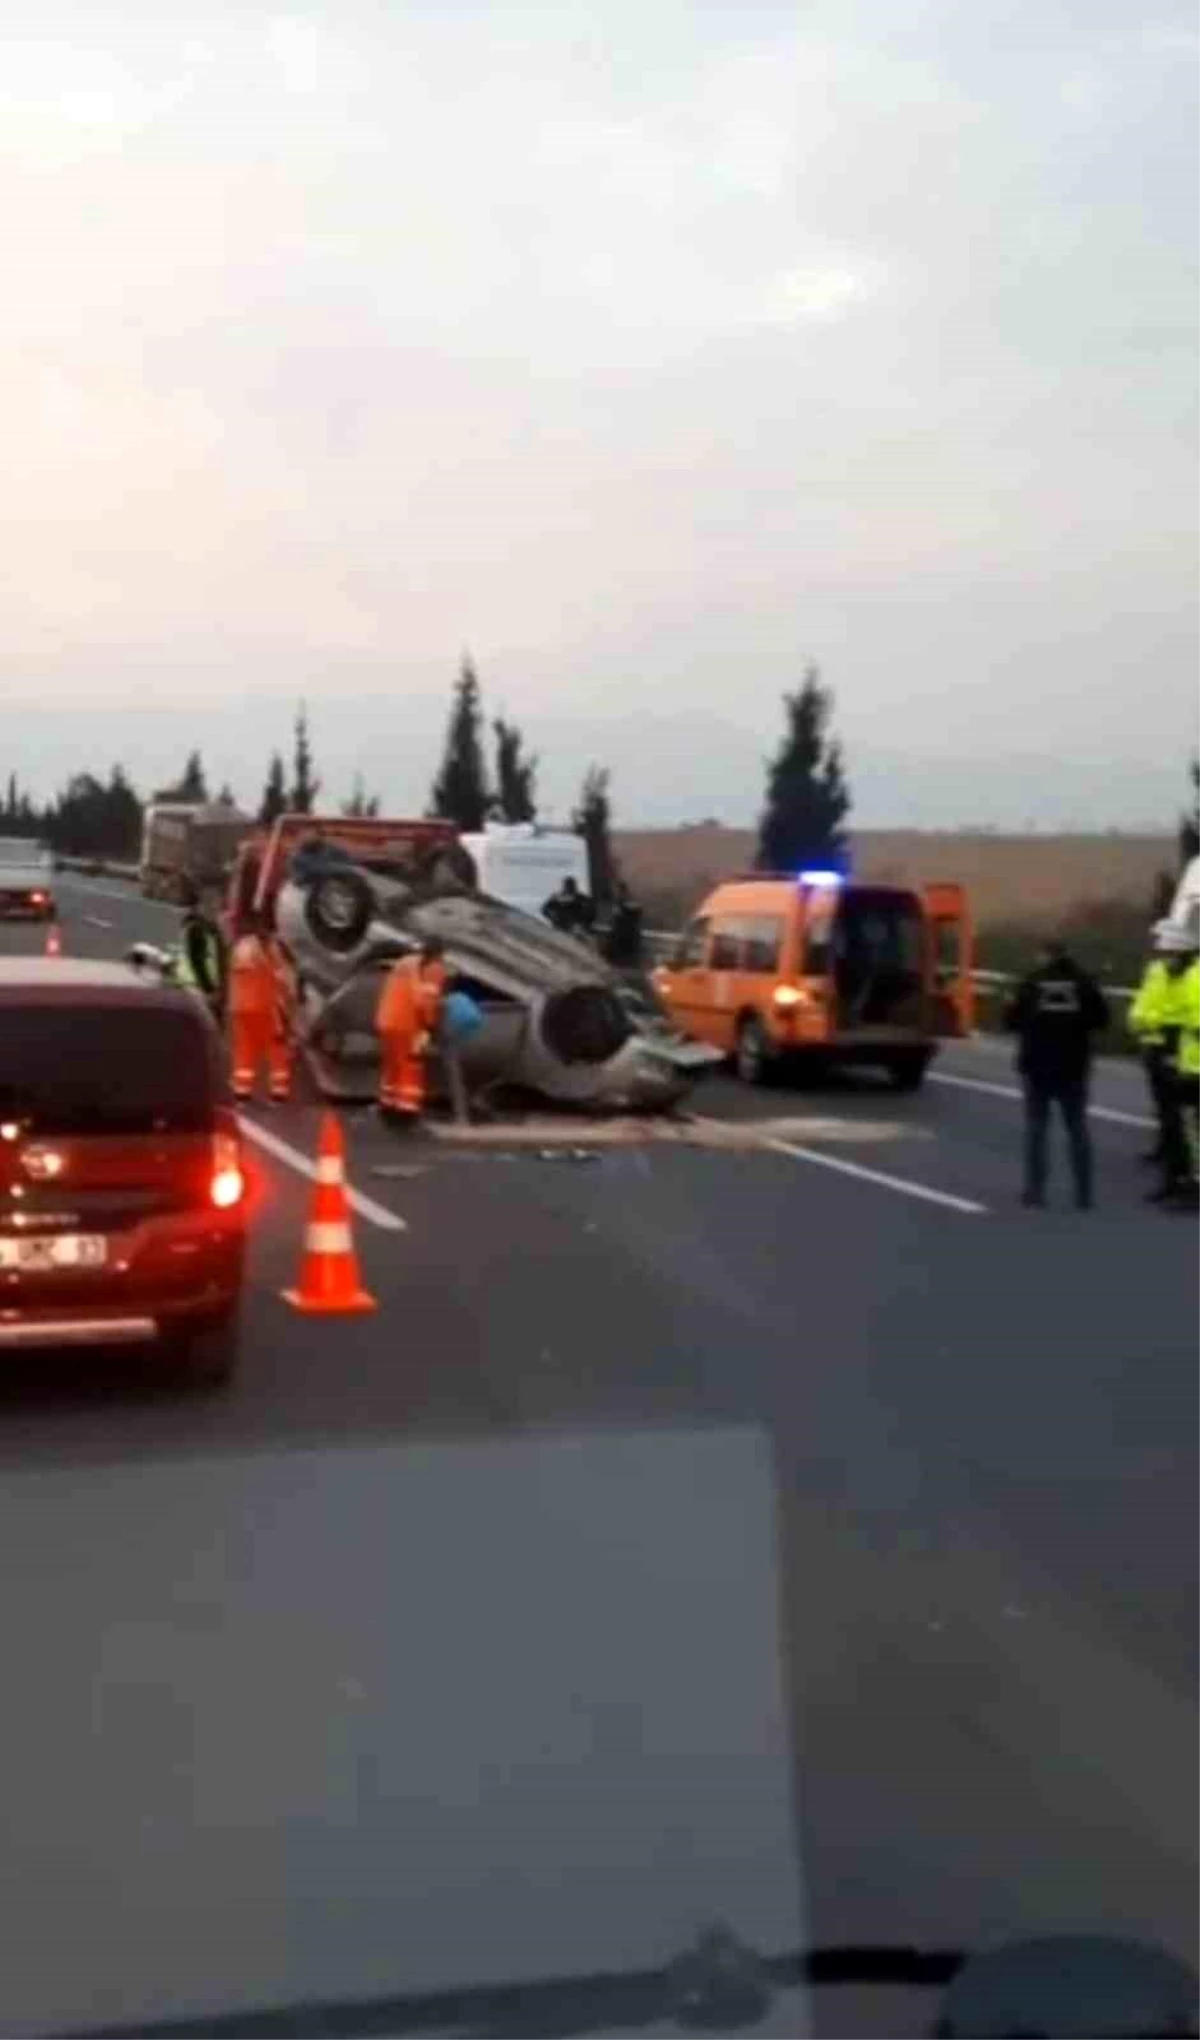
point(486, 773)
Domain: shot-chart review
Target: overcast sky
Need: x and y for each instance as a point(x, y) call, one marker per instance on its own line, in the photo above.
point(649, 349)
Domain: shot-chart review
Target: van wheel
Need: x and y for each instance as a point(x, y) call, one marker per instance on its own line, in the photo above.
point(752, 1055)
point(907, 1068)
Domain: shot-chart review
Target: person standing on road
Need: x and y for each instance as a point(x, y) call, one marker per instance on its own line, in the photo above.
point(407, 1019)
point(569, 910)
point(623, 942)
point(255, 1037)
point(1156, 1021)
point(201, 963)
point(1056, 1013)
point(1179, 1011)
point(283, 1037)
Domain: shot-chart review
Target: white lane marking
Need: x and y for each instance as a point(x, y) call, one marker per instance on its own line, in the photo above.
point(1109, 1112)
point(898, 1183)
point(366, 1207)
point(94, 921)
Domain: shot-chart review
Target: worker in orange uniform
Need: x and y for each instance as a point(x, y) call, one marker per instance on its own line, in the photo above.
point(282, 1049)
point(255, 1033)
point(407, 1020)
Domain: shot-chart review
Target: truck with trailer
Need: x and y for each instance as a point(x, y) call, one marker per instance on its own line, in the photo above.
point(189, 845)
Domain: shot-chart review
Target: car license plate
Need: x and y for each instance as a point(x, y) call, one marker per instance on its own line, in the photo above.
point(46, 1256)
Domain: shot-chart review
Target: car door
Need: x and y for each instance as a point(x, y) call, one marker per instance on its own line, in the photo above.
point(951, 952)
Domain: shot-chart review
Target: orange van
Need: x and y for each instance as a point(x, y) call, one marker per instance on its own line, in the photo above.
point(816, 966)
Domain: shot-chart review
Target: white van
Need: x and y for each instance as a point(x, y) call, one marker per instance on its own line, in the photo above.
point(522, 865)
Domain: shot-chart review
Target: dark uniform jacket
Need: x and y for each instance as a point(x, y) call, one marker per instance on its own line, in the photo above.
point(1056, 1013)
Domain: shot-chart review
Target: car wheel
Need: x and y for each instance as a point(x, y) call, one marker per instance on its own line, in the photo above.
point(907, 1069)
point(448, 868)
point(208, 1356)
point(339, 909)
point(752, 1055)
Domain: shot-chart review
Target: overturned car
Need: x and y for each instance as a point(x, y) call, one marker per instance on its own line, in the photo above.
point(558, 1023)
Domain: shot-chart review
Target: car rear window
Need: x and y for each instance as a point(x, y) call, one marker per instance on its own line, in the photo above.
point(107, 1069)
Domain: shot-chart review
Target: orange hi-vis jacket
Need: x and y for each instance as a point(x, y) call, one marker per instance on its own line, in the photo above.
point(252, 992)
point(410, 1001)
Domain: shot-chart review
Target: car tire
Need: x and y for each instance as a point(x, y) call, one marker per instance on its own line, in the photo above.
point(907, 1069)
point(448, 868)
point(208, 1355)
point(752, 1057)
point(339, 908)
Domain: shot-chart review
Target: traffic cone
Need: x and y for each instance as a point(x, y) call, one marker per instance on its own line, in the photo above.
point(329, 1284)
point(53, 940)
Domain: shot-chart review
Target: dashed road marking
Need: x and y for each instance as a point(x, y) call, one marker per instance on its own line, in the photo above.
point(1109, 1112)
point(901, 1184)
point(283, 1151)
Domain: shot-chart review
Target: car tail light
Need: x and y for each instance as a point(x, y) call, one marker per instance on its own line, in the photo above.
point(37, 899)
point(227, 1184)
point(788, 996)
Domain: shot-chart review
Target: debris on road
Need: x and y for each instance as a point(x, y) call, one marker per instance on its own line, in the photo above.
point(756, 1133)
point(544, 1134)
point(555, 1139)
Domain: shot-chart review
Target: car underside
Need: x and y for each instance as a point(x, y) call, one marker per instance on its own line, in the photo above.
point(558, 1023)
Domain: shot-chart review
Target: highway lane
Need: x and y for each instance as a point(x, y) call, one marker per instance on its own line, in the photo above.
point(982, 1423)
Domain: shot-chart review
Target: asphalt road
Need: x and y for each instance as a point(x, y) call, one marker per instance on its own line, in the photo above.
point(980, 1425)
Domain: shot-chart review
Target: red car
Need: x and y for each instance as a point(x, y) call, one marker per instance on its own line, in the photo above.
point(122, 1186)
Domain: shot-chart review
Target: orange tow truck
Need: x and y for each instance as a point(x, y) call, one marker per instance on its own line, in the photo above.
point(263, 858)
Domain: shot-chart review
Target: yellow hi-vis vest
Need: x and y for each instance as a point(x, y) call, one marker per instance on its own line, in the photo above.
point(1187, 1019)
point(1148, 1013)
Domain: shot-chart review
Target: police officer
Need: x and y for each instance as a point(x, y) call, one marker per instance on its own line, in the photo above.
point(1187, 1064)
point(1156, 1021)
point(201, 962)
point(623, 942)
point(1056, 1013)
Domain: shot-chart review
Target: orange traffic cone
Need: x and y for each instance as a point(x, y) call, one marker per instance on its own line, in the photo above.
point(53, 940)
point(329, 1282)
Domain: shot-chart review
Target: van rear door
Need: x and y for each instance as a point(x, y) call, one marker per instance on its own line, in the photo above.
point(951, 951)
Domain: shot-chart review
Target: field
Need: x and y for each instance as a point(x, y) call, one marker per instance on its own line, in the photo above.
point(1026, 882)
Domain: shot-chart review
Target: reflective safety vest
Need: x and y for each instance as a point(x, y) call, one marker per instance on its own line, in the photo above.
point(1187, 1019)
point(178, 971)
point(1155, 996)
point(184, 972)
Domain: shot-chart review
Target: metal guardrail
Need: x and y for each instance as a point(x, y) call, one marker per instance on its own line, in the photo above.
point(99, 867)
point(660, 941)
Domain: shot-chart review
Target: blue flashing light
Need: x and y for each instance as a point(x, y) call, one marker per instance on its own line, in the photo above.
point(821, 878)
